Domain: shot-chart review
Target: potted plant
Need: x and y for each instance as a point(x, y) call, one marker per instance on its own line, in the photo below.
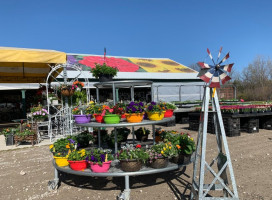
point(155, 111)
point(131, 158)
point(99, 112)
point(122, 134)
point(100, 160)
point(120, 109)
point(77, 160)
point(159, 154)
point(82, 139)
point(60, 150)
point(110, 117)
point(67, 90)
point(169, 108)
point(25, 133)
point(134, 112)
point(142, 134)
point(39, 114)
point(8, 133)
point(185, 146)
point(80, 116)
point(78, 85)
point(104, 72)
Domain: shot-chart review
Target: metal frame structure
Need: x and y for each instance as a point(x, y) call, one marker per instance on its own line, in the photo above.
point(62, 119)
point(123, 84)
point(200, 190)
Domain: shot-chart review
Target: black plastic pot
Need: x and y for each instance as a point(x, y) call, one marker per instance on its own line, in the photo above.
point(105, 78)
point(9, 140)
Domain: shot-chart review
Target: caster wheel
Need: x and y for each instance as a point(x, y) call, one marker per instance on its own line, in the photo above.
point(52, 185)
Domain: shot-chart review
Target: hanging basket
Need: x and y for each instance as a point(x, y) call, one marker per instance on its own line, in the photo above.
point(182, 159)
point(130, 165)
point(67, 92)
point(105, 78)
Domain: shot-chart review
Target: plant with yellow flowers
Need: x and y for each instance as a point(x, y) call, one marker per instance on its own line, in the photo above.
point(77, 155)
point(162, 150)
point(186, 143)
point(62, 147)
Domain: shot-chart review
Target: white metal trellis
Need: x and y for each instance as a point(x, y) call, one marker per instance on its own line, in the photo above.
point(61, 122)
point(200, 190)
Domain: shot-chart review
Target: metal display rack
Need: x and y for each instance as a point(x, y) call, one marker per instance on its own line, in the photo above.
point(115, 170)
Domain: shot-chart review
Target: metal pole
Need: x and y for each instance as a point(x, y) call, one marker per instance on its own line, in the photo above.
point(153, 130)
point(152, 92)
point(132, 93)
point(115, 139)
point(23, 103)
point(99, 138)
point(113, 94)
point(97, 95)
point(133, 135)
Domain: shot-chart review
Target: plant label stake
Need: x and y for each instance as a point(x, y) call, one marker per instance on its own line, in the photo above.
point(214, 76)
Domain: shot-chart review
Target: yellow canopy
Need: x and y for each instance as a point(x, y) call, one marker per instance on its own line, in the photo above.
point(19, 65)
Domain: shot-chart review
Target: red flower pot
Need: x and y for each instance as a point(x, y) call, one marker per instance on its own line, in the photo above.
point(123, 116)
point(78, 165)
point(99, 118)
point(168, 113)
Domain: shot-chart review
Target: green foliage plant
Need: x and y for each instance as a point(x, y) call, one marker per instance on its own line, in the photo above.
point(104, 69)
point(129, 152)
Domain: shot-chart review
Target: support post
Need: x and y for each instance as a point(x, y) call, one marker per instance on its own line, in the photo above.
point(23, 103)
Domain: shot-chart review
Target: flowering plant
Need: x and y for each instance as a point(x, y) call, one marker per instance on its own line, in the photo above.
point(76, 111)
point(77, 155)
point(161, 150)
point(99, 109)
point(6, 132)
point(62, 147)
point(135, 107)
point(186, 144)
point(66, 87)
point(99, 156)
point(40, 114)
point(99, 70)
point(155, 107)
point(78, 84)
point(119, 109)
point(168, 106)
point(129, 152)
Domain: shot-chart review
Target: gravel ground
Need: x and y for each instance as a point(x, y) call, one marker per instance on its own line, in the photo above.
point(25, 173)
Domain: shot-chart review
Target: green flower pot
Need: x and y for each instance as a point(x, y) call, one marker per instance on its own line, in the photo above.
point(112, 119)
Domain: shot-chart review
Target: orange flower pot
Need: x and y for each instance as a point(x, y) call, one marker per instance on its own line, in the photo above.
point(134, 117)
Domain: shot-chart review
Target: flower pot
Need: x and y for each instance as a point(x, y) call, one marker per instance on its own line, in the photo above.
point(105, 78)
point(61, 161)
point(155, 116)
point(112, 119)
point(134, 117)
point(100, 168)
point(99, 118)
point(182, 159)
point(168, 113)
point(158, 139)
point(82, 119)
point(67, 92)
point(78, 165)
point(159, 163)
point(130, 165)
point(141, 137)
point(9, 140)
point(123, 116)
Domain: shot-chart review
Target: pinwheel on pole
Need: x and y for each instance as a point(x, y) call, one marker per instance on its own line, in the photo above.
point(215, 74)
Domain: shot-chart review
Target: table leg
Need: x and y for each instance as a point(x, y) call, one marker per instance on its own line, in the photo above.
point(115, 140)
point(133, 135)
point(153, 130)
point(99, 138)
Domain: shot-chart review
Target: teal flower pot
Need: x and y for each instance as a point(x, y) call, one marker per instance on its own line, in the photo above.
point(112, 119)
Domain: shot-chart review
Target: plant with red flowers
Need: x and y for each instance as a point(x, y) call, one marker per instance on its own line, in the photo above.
point(129, 152)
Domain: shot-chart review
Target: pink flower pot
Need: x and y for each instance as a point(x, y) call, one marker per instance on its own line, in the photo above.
point(100, 168)
point(78, 165)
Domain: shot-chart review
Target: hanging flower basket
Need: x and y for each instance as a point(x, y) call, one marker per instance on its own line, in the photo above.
point(61, 161)
point(112, 119)
point(134, 117)
point(105, 77)
point(95, 167)
point(78, 165)
point(67, 92)
point(182, 159)
point(130, 165)
point(82, 119)
point(155, 116)
point(168, 113)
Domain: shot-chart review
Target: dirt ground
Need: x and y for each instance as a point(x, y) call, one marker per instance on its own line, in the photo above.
point(24, 174)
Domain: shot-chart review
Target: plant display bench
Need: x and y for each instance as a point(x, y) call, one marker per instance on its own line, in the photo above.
point(29, 138)
point(115, 170)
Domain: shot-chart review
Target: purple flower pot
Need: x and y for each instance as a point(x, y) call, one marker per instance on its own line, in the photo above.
point(82, 119)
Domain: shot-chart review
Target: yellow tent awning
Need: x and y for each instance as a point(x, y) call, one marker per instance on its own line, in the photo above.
point(19, 65)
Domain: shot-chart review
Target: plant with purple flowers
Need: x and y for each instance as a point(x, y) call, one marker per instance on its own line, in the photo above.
point(154, 107)
point(135, 107)
point(99, 156)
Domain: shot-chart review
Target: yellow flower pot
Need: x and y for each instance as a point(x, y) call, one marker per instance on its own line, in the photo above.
point(61, 161)
point(155, 116)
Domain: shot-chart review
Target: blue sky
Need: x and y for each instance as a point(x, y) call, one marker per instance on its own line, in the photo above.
point(176, 29)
